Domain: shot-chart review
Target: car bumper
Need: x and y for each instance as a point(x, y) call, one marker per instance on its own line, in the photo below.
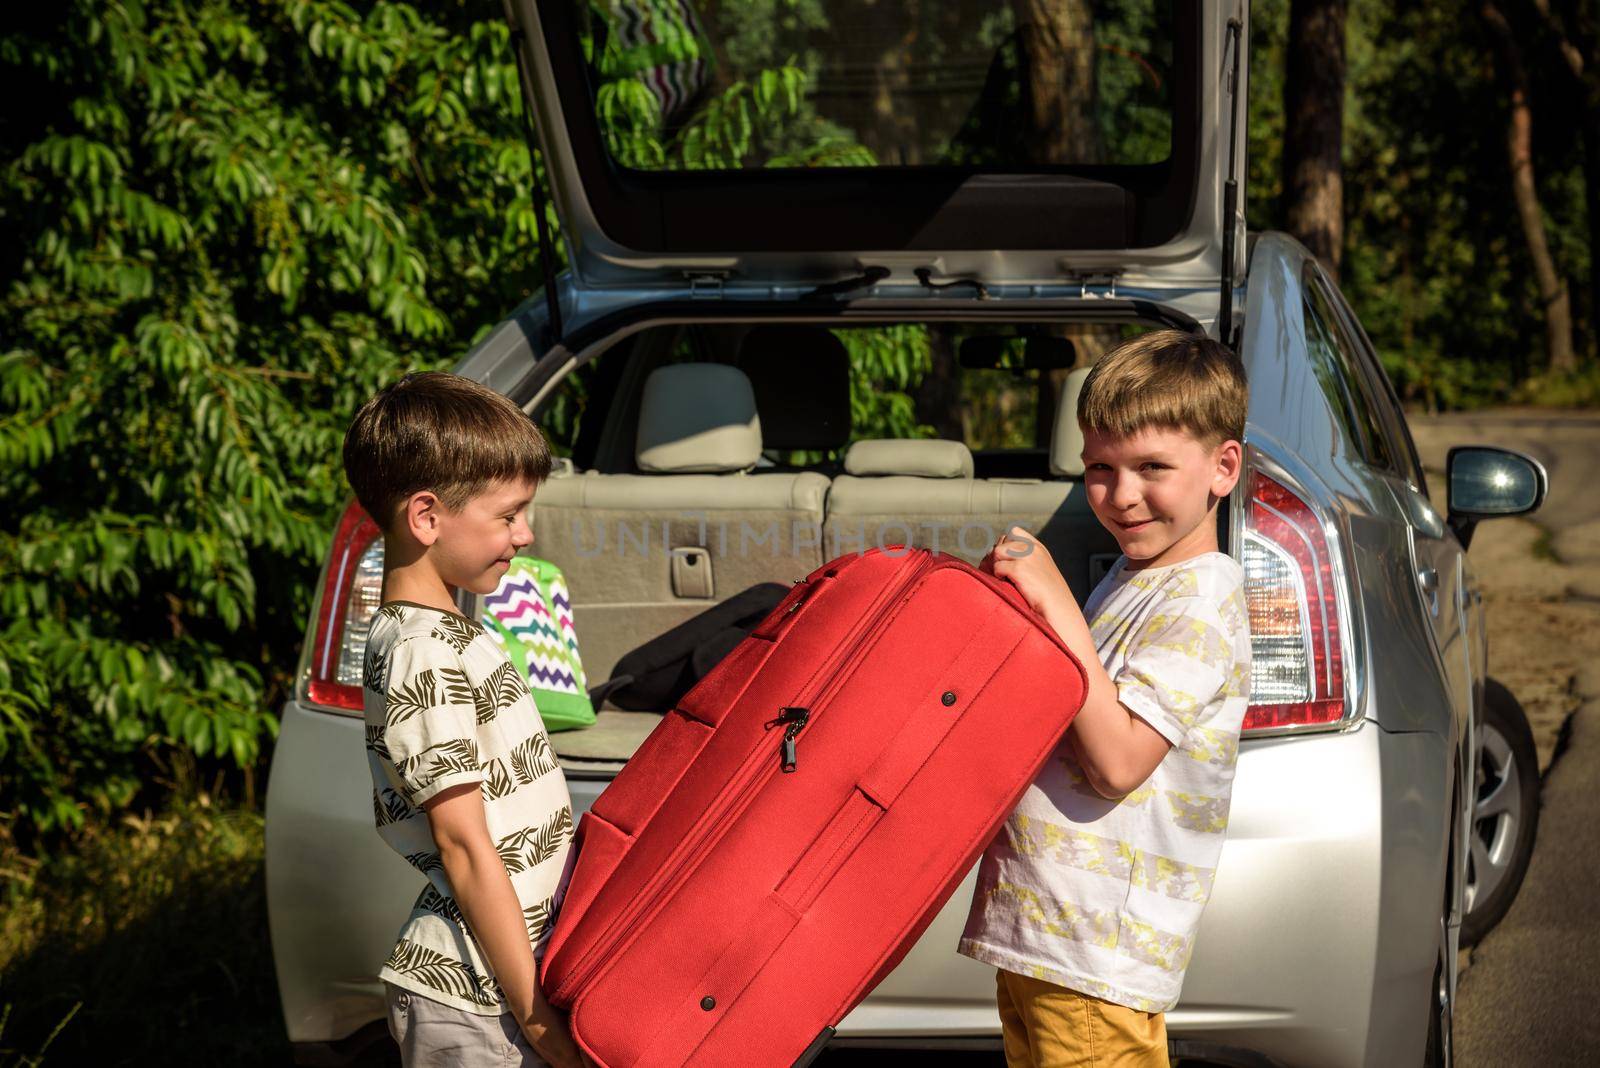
point(1317, 946)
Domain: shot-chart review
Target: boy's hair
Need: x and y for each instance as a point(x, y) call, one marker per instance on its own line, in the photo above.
point(439, 432)
point(1167, 379)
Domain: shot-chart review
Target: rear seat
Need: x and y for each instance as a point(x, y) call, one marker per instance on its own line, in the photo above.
point(801, 378)
point(645, 552)
point(923, 493)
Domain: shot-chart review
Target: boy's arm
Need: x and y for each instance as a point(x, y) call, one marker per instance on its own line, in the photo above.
point(1117, 750)
point(483, 890)
point(1095, 781)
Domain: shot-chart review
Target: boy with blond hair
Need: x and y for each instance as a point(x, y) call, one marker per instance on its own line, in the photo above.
point(465, 786)
point(1088, 899)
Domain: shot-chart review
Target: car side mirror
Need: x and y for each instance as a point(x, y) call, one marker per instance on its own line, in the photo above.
point(1487, 482)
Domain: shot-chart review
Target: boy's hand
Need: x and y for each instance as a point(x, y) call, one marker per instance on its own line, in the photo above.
point(550, 1036)
point(1019, 558)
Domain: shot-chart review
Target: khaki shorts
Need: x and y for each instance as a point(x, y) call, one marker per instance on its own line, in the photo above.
point(434, 1035)
point(1047, 1026)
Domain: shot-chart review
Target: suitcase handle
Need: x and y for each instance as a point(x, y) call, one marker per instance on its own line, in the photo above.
point(1009, 592)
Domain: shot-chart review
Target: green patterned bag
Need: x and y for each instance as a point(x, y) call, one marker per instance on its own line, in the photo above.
point(530, 615)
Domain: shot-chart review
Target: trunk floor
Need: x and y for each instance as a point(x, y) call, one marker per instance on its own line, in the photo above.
point(615, 736)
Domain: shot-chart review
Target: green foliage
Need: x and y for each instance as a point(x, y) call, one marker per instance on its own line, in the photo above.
point(885, 364)
point(225, 226)
point(1434, 257)
point(1269, 32)
point(750, 115)
point(1578, 390)
point(727, 128)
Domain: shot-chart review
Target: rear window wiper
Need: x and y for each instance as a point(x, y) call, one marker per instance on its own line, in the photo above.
point(870, 276)
point(925, 276)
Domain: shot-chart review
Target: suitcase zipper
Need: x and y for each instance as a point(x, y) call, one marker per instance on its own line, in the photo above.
point(795, 717)
point(741, 786)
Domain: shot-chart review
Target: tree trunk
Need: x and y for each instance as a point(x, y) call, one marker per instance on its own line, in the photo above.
point(1056, 42)
point(1575, 31)
point(892, 134)
point(1313, 106)
point(1591, 171)
point(1589, 36)
point(937, 398)
point(1519, 150)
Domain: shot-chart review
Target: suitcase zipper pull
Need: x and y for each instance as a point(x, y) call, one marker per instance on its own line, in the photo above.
point(795, 718)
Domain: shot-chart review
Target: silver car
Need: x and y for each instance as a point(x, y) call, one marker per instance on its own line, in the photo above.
point(1385, 789)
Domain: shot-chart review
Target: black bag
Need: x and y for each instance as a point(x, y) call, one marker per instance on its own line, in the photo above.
point(652, 677)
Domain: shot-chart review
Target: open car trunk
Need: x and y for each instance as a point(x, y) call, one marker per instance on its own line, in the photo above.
point(988, 140)
point(900, 159)
point(714, 461)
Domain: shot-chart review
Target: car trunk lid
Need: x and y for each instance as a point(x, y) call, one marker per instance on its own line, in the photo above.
point(1034, 143)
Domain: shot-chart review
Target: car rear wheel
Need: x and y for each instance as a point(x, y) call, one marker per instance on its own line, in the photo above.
point(1505, 813)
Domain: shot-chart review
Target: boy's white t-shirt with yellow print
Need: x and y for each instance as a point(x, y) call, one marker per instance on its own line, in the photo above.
point(1103, 896)
point(444, 707)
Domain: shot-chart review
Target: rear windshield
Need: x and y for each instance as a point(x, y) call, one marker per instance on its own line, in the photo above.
point(993, 387)
point(729, 85)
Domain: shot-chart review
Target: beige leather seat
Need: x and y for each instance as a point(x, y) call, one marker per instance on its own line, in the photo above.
point(644, 552)
point(909, 492)
point(923, 493)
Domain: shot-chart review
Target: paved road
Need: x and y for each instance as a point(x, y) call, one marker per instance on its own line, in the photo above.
point(1531, 995)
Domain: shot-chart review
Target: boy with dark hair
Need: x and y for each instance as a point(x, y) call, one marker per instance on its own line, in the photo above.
point(465, 785)
point(1088, 899)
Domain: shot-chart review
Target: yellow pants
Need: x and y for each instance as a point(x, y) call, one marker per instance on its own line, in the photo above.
point(1047, 1026)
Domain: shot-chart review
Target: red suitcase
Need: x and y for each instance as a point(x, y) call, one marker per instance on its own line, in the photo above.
point(785, 834)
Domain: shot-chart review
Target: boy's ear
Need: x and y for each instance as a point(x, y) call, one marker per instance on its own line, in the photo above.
point(421, 516)
point(1229, 460)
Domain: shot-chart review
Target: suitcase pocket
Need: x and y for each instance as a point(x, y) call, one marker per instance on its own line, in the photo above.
point(600, 847)
point(829, 850)
point(631, 800)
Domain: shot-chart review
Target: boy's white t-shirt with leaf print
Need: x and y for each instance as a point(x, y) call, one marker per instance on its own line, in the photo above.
point(444, 706)
point(1103, 896)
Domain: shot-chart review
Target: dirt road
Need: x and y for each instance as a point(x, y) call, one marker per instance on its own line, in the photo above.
point(1541, 576)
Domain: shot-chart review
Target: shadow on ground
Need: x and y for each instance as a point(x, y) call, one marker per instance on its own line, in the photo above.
point(156, 930)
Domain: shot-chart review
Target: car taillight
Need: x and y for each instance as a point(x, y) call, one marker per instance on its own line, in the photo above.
point(351, 594)
point(1297, 673)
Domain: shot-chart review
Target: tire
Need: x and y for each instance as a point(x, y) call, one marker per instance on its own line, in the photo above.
point(1505, 813)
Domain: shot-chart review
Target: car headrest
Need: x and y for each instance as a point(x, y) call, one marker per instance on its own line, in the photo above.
point(1066, 441)
point(697, 417)
point(925, 458)
point(801, 378)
